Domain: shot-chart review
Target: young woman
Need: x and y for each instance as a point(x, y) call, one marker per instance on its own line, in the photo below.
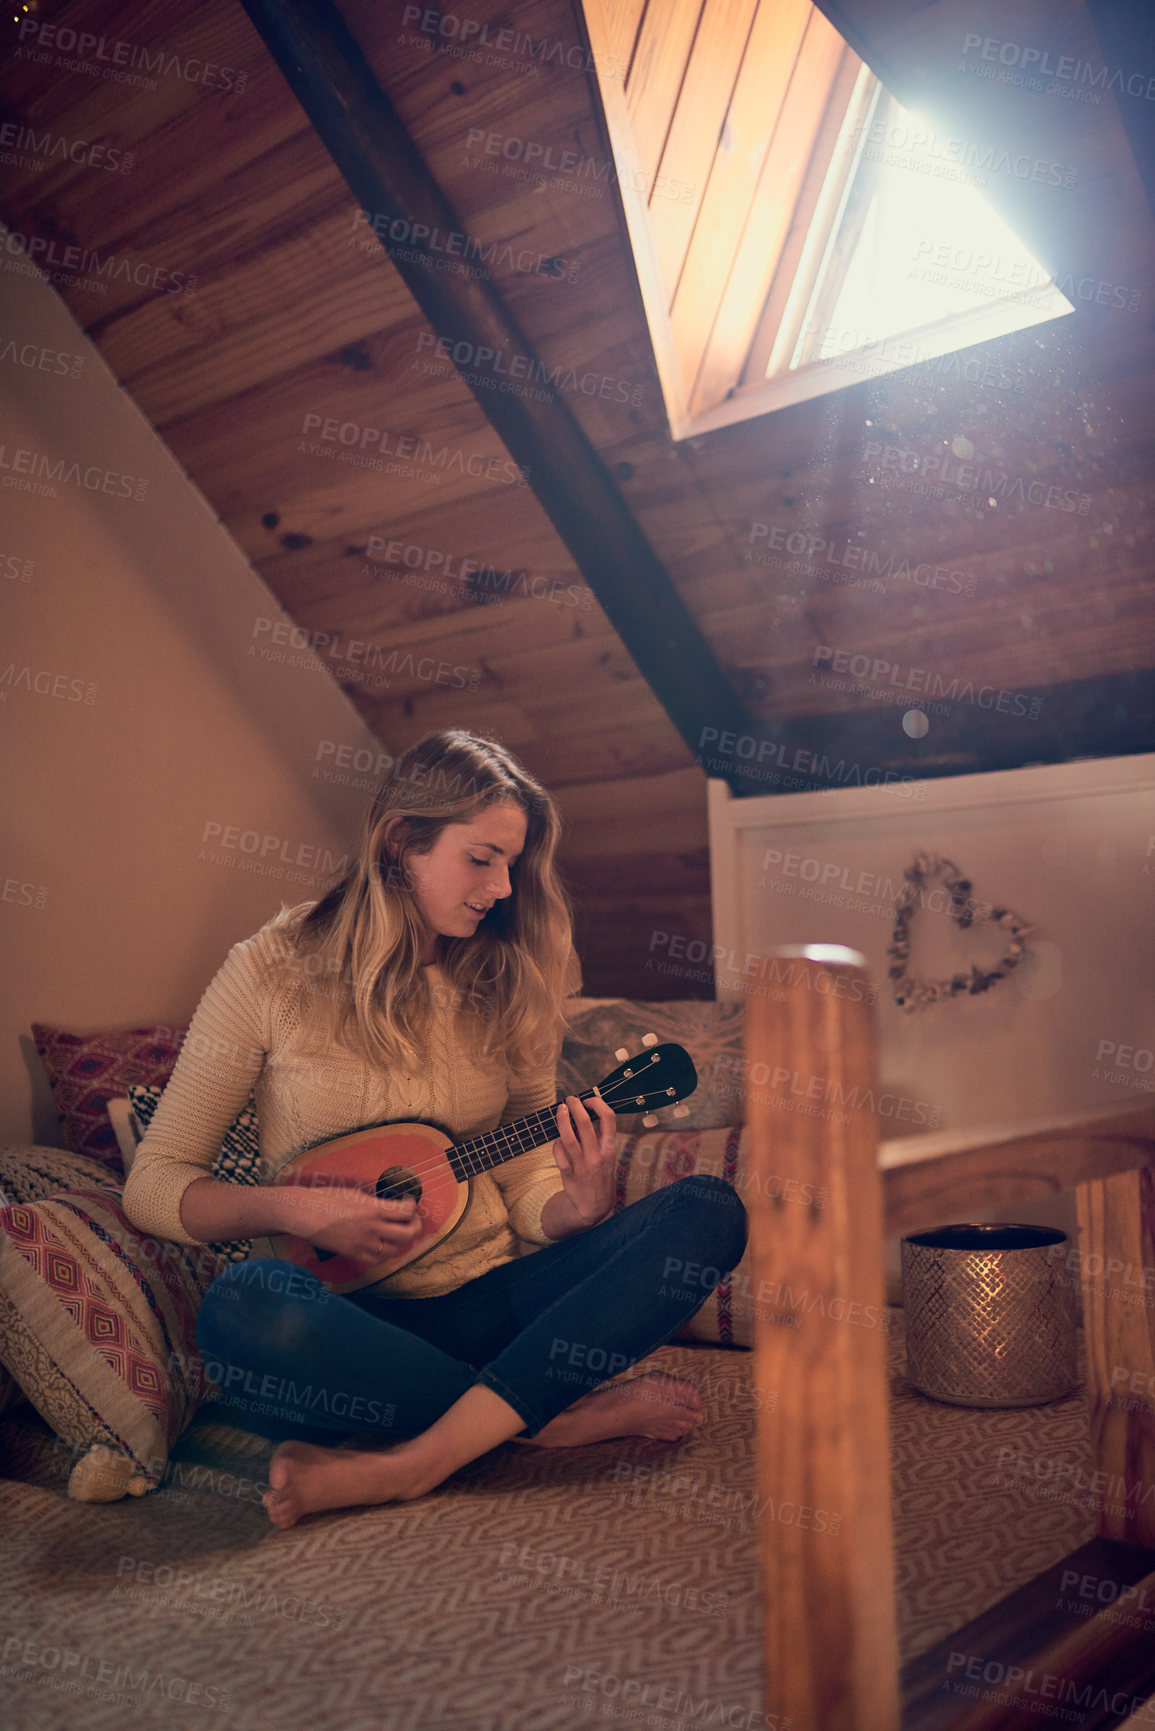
point(427, 984)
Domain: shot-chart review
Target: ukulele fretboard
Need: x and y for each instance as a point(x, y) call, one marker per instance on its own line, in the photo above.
point(482, 1153)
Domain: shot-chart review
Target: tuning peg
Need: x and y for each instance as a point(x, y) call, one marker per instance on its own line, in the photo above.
point(621, 1054)
point(649, 1039)
point(681, 1111)
point(650, 1119)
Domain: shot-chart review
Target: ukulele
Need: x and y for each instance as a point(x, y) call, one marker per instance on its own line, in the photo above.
point(412, 1159)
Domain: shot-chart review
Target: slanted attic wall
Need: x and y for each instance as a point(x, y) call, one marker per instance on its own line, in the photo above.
point(146, 711)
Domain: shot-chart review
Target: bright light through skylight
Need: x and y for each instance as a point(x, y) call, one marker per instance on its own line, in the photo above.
point(930, 247)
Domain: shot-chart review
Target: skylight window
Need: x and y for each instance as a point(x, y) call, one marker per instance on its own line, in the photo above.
point(822, 234)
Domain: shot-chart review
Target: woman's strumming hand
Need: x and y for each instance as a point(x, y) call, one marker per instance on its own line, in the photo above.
point(352, 1223)
point(586, 1154)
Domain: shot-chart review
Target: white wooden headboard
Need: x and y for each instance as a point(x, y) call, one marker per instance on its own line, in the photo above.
point(1068, 847)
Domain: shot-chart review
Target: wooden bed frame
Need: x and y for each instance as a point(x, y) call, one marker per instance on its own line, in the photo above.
point(831, 1654)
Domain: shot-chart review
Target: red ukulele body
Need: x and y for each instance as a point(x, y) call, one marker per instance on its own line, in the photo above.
point(416, 1159)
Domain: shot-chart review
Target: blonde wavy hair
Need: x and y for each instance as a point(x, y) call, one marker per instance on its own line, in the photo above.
point(365, 935)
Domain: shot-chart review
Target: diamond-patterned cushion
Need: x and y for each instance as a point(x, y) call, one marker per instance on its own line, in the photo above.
point(237, 1163)
point(85, 1071)
point(98, 1326)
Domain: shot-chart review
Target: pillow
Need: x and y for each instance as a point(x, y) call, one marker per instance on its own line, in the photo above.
point(237, 1163)
point(28, 1174)
point(647, 1163)
point(710, 1032)
point(85, 1071)
point(98, 1327)
point(125, 1129)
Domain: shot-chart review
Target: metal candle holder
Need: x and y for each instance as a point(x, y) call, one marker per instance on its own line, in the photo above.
point(990, 1319)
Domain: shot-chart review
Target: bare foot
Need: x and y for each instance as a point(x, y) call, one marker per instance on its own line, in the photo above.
point(304, 1477)
point(655, 1405)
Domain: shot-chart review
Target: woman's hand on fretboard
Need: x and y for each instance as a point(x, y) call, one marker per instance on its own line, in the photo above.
point(586, 1155)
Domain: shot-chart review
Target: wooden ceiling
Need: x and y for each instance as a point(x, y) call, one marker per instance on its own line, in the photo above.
point(301, 349)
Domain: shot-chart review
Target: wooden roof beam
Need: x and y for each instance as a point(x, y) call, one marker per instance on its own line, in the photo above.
point(325, 69)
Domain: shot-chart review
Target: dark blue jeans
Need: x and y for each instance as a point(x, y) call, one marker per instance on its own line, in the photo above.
point(293, 1360)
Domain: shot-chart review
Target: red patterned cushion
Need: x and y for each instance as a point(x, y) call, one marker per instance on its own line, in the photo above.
point(98, 1324)
point(86, 1071)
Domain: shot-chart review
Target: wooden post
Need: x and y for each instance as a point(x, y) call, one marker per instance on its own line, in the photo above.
point(815, 1204)
point(1116, 1261)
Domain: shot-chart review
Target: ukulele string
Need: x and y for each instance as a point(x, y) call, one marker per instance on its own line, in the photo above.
point(505, 1140)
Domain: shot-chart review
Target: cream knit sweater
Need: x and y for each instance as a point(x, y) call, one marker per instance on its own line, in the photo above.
point(246, 1037)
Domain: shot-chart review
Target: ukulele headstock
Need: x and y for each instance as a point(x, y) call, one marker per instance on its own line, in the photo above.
point(655, 1077)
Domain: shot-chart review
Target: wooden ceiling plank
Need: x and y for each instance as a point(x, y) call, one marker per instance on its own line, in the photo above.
point(661, 54)
point(640, 807)
point(697, 132)
point(285, 190)
point(126, 49)
point(685, 874)
point(576, 758)
point(302, 295)
point(759, 288)
point(625, 18)
point(366, 384)
point(738, 206)
point(422, 543)
point(482, 632)
point(161, 120)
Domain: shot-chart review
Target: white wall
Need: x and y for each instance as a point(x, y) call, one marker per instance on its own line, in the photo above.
point(1069, 847)
point(136, 712)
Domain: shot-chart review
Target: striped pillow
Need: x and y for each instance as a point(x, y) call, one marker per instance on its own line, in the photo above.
point(98, 1327)
point(239, 1160)
point(648, 1163)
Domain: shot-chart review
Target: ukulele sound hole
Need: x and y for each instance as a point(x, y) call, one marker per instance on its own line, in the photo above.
point(398, 1182)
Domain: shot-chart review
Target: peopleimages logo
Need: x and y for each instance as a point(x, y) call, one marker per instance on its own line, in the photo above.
point(479, 362)
point(921, 144)
point(854, 563)
point(925, 680)
point(747, 753)
point(417, 241)
point(477, 577)
point(110, 54)
point(351, 659)
point(411, 447)
point(469, 34)
point(528, 159)
point(39, 359)
point(946, 470)
point(16, 138)
point(860, 351)
point(45, 683)
point(31, 471)
point(56, 1666)
point(47, 255)
point(1035, 64)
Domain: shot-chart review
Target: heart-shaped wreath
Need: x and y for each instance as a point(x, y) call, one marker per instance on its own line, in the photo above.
point(916, 994)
